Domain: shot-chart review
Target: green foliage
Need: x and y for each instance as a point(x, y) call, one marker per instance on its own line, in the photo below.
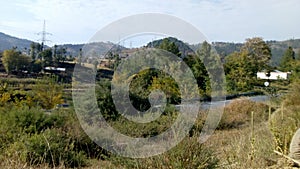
point(241, 67)
point(145, 130)
point(184, 48)
point(104, 100)
point(295, 70)
point(14, 61)
point(239, 75)
point(53, 147)
point(46, 57)
point(214, 67)
point(287, 59)
point(168, 86)
point(200, 73)
point(286, 120)
point(36, 66)
point(35, 49)
point(169, 46)
point(35, 138)
point(48, 93)
point(259, 53)
point(59, 54)
point(16, 98)
point(140, 88)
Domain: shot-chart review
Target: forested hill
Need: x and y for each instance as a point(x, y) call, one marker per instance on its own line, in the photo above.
point(226, 48)
point(8, 42)
point(277, 48)
point(223, 48)
point(184, 48)
point(98, 48)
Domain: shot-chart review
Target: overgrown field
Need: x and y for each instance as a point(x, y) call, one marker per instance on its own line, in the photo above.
point(34, 134)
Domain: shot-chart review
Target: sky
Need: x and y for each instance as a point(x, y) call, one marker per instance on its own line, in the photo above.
point(76, 21)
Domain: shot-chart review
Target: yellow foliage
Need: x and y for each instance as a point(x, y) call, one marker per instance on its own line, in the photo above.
point(4, 98)
point(48, 94)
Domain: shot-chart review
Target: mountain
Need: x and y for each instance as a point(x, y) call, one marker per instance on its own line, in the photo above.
point(279, 47)
point(223, 48)
point(184, 48)
point(95, 48)
point(8, 42)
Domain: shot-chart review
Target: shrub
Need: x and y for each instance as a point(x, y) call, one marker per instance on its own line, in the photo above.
point(188, 154)
point(286, 120)
point(238, 113)
point(52, 147)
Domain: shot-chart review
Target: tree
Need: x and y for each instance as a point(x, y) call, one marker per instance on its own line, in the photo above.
point(35, 50)
point(59, 54)
point(214, 67)
point(46, 56)
point(48, 93)
point(13, 60)
point(238, 72)
point(241, 67)
point(259, 53)
point(287, 59)
point(199, 71)
point(170, 47)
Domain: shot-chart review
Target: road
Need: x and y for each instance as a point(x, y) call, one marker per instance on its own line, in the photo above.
point(216, 104)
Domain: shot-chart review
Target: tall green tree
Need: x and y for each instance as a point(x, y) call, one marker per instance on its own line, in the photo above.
point(241, 67)
point(199, 71)
point(35, 50)
point(169, 46)
point(14, 60)
point(214, 68)
point(259, 53)
point(239, 75)
point(46, 57)
point(287, 59)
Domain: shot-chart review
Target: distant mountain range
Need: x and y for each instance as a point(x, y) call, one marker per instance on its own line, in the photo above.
point(99, 48)
point(223, 48)
point(8, 42)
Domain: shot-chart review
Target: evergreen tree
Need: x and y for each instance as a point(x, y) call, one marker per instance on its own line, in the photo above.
point(259, 54)
point(170, 47)
point(287, 59)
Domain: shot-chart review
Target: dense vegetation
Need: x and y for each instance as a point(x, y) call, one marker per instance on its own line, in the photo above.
point(37, 133)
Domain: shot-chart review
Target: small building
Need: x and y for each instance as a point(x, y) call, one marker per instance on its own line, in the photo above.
point(275, 75)
point(55, 69)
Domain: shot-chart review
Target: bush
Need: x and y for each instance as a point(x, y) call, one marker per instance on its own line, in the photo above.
point(51, 147)
point(28, 135)
point(188, 154)
point(238, 113)
point(145, 130)
point(286, 120)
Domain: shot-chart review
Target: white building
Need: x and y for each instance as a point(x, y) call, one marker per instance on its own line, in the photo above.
point(275, 75)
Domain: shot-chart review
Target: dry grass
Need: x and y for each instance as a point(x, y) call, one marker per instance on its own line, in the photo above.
point(238, 113)
point(242, 145)
point(236, 149)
